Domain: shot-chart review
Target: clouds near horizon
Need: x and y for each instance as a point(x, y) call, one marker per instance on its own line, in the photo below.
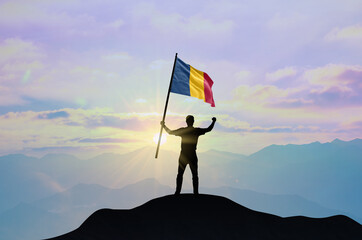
point(283, 72)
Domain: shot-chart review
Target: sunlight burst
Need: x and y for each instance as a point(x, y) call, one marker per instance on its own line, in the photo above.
point(163, 138)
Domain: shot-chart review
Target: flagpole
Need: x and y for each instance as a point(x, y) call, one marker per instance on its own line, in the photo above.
point(166, 104)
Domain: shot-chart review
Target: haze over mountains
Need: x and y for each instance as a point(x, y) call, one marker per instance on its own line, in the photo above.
point(313, 179)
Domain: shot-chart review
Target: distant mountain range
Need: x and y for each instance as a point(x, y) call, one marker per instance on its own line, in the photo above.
point(207, 217)
point(328, 175)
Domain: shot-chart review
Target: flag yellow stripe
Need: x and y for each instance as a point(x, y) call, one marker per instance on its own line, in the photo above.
point(197, 83)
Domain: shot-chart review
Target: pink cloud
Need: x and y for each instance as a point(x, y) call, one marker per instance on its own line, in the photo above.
point(331, 86)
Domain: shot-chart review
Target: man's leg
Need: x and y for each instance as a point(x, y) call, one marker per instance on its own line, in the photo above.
point(195, 177)
point(181, 169)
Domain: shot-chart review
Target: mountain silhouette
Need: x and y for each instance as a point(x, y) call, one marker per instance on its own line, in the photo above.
point(65, 211)
point(207, 217)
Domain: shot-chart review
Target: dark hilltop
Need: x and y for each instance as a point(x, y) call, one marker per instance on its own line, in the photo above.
point(207, 217)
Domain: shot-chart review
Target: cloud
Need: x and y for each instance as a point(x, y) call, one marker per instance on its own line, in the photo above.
point(229, 124)
point(350, 33)
point(114, 121)
point(18, 14)
point(105, 140)
point(57, 20)
point(81, 85)
point(104, 118)
point(355, 126)
point(286, 21)
point(292, 103)
point(189, 26)
point(19, 62)
point(243, 76)
point(53, 115)
point(259, 129)
point(7, 98)
point(102, 81)
point(334, 75)
point(16, 49)
point(84, 152)
point(281, 74)
point(334, 96)
point(117, 23)
point(75, 130)
point(331, 86)
point(258, 94)
point(335, 85)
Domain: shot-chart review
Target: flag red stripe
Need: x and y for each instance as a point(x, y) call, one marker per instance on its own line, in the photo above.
point(207, 89)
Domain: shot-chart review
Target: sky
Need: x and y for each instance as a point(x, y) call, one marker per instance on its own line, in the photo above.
point(87, 77)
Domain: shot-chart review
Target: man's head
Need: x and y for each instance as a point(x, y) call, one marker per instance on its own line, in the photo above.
point(190, 120)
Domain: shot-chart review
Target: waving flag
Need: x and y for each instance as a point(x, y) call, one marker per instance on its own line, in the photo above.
point(192, 82)
point(188, 81)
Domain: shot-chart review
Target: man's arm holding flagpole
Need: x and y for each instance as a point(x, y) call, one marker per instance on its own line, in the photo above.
point(166, 104)
point(169, 131)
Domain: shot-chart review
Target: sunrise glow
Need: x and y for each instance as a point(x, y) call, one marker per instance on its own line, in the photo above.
point(163, 138)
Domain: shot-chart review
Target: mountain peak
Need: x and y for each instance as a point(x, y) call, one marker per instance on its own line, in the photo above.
point(213, 151)
point(337, 140)
point(207, 217)
point(352, 142)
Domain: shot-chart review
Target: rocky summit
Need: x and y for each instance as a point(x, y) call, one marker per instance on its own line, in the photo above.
point(188, 216)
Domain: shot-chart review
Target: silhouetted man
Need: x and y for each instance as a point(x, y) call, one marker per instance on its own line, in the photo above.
point(188, 155)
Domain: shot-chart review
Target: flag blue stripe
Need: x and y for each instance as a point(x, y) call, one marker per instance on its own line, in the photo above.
point(181, 78)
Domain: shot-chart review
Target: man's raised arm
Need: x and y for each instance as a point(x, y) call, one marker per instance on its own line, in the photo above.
point(211, 125)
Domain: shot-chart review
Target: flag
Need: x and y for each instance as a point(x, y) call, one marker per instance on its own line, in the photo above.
point(192, 82)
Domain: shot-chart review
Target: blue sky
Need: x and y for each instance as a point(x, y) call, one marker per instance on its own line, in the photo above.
point(92, 77)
